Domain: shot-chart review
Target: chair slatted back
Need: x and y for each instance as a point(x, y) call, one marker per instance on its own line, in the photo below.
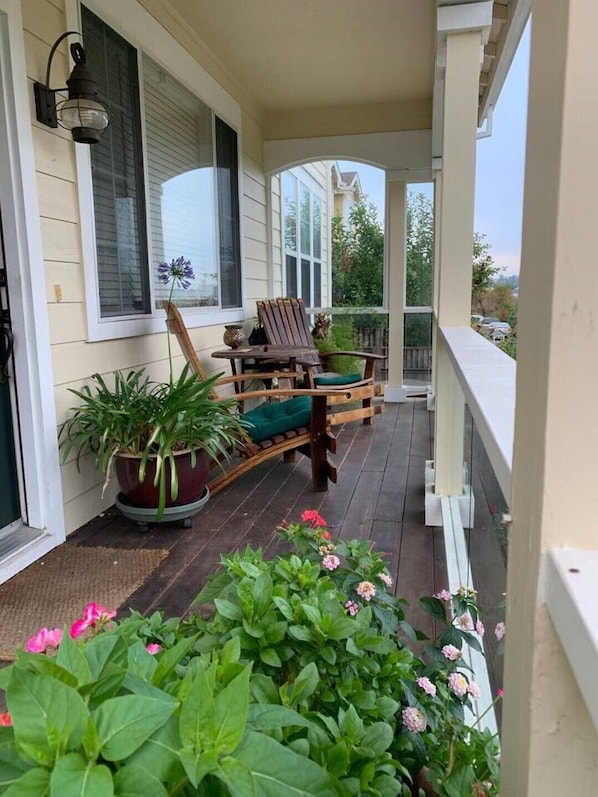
point(176, 325)
point(286, 323)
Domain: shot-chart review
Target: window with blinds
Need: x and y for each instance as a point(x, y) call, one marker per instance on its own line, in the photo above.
point(189, 181)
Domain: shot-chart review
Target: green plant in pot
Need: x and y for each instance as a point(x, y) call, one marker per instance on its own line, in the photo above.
point(159, 437)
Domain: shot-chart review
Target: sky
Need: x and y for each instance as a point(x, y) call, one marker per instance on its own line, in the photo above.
point(499, 169)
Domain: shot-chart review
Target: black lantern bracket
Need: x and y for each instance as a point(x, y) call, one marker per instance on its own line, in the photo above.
point(82, 113)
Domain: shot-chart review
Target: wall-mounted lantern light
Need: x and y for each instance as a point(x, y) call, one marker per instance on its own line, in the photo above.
point(82, 113)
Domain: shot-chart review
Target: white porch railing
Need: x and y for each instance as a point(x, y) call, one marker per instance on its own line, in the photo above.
point(487, 378)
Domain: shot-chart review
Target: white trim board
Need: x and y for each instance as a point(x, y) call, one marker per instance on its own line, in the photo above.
point(26, 288)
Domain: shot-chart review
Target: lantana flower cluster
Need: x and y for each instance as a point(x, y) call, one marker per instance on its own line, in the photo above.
point(314, 540)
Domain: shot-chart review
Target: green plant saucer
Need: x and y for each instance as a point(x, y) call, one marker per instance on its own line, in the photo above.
point(143, 515)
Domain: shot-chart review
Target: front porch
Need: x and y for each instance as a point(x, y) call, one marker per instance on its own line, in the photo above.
point(379, 496)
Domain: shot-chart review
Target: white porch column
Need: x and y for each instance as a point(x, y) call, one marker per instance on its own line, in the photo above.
point(455, 233)
point(549, 744)
point(396, 203)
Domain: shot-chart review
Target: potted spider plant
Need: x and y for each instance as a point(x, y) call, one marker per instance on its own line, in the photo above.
point(159, 437)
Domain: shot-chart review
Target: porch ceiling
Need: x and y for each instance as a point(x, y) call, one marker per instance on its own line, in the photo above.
point(295, 54)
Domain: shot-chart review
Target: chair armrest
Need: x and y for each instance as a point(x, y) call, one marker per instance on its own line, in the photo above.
point(253, 376)
point(365, 355)
point(290, 393)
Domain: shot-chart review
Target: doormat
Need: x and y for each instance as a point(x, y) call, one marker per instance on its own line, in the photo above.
point(52, 592)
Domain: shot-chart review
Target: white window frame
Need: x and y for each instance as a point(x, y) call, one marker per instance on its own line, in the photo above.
point(144, 33)
point(303, 178)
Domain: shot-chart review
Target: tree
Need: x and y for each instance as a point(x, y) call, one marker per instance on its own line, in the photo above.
point(358, 258)
point(420, 250)
point(484, 271)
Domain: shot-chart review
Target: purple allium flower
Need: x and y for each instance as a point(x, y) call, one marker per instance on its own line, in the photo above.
point(178, 270)
point(414, 720)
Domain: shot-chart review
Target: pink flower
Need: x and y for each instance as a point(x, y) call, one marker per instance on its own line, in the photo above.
point(427, 685)
point(313, 517)
point(451, 653)
point(94, 614)
point(352, 607)
point(5, 719)
point(153, 648)
point(326, 534)
point(43, 640)
point(464, 622)
point(414, 720)
point(473, 689)
point(479, 627)
point(384, 577)
point(366, 590)
point(500, 693)
point(443, 595)
point(499, 631)
point(457, 684)
point(331, 562)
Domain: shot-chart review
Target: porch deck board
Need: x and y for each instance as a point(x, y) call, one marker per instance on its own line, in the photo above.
point(379, 496)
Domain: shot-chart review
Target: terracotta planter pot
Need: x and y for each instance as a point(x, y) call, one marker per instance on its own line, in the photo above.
point(143, 494)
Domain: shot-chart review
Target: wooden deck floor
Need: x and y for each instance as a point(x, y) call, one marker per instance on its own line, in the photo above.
point(379, 495)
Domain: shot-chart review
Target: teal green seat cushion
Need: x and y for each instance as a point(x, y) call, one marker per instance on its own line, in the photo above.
point(277, 418)
point(331, 380)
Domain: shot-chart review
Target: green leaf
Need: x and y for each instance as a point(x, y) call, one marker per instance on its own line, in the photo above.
point(473, 641)
point(73, 777)
point(237, 777)
point(262, 593)
point(434, 607)
point(351, 724)
point(198, 765)
point(170, 658)
point(103, 650)
point(301, 633)
point(338, 759)
point(312, 613)
point(460, 781)
point(71, 658)
point(231, 652)
point(305, 685)
point(378, 737)
point(266, 718)
point(450, 636)
point(43, 707)
point(34, 783)
point(271, 657)
point(231, 706)
point(197, 724)
point(263, 689)
point(135, 781)
point(279, 772)
point(124, 723)
point(159, 756)
point(228, 609)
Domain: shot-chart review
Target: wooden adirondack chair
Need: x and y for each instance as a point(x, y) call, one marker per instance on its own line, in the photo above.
point(286, 323)
point(311, 438)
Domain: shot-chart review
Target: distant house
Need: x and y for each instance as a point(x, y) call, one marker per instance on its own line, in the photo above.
point(346, 190)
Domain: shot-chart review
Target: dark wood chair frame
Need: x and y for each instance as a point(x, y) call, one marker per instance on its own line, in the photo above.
point(313, 442)
point(286, 323)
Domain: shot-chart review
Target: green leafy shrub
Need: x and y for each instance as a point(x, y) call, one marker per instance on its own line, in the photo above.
point(297, 676)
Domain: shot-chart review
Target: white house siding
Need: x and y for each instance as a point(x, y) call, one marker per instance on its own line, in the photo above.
point(73, 358)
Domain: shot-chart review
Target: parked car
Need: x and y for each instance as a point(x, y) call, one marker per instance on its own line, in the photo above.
point(488, 321)
point(500, 330)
